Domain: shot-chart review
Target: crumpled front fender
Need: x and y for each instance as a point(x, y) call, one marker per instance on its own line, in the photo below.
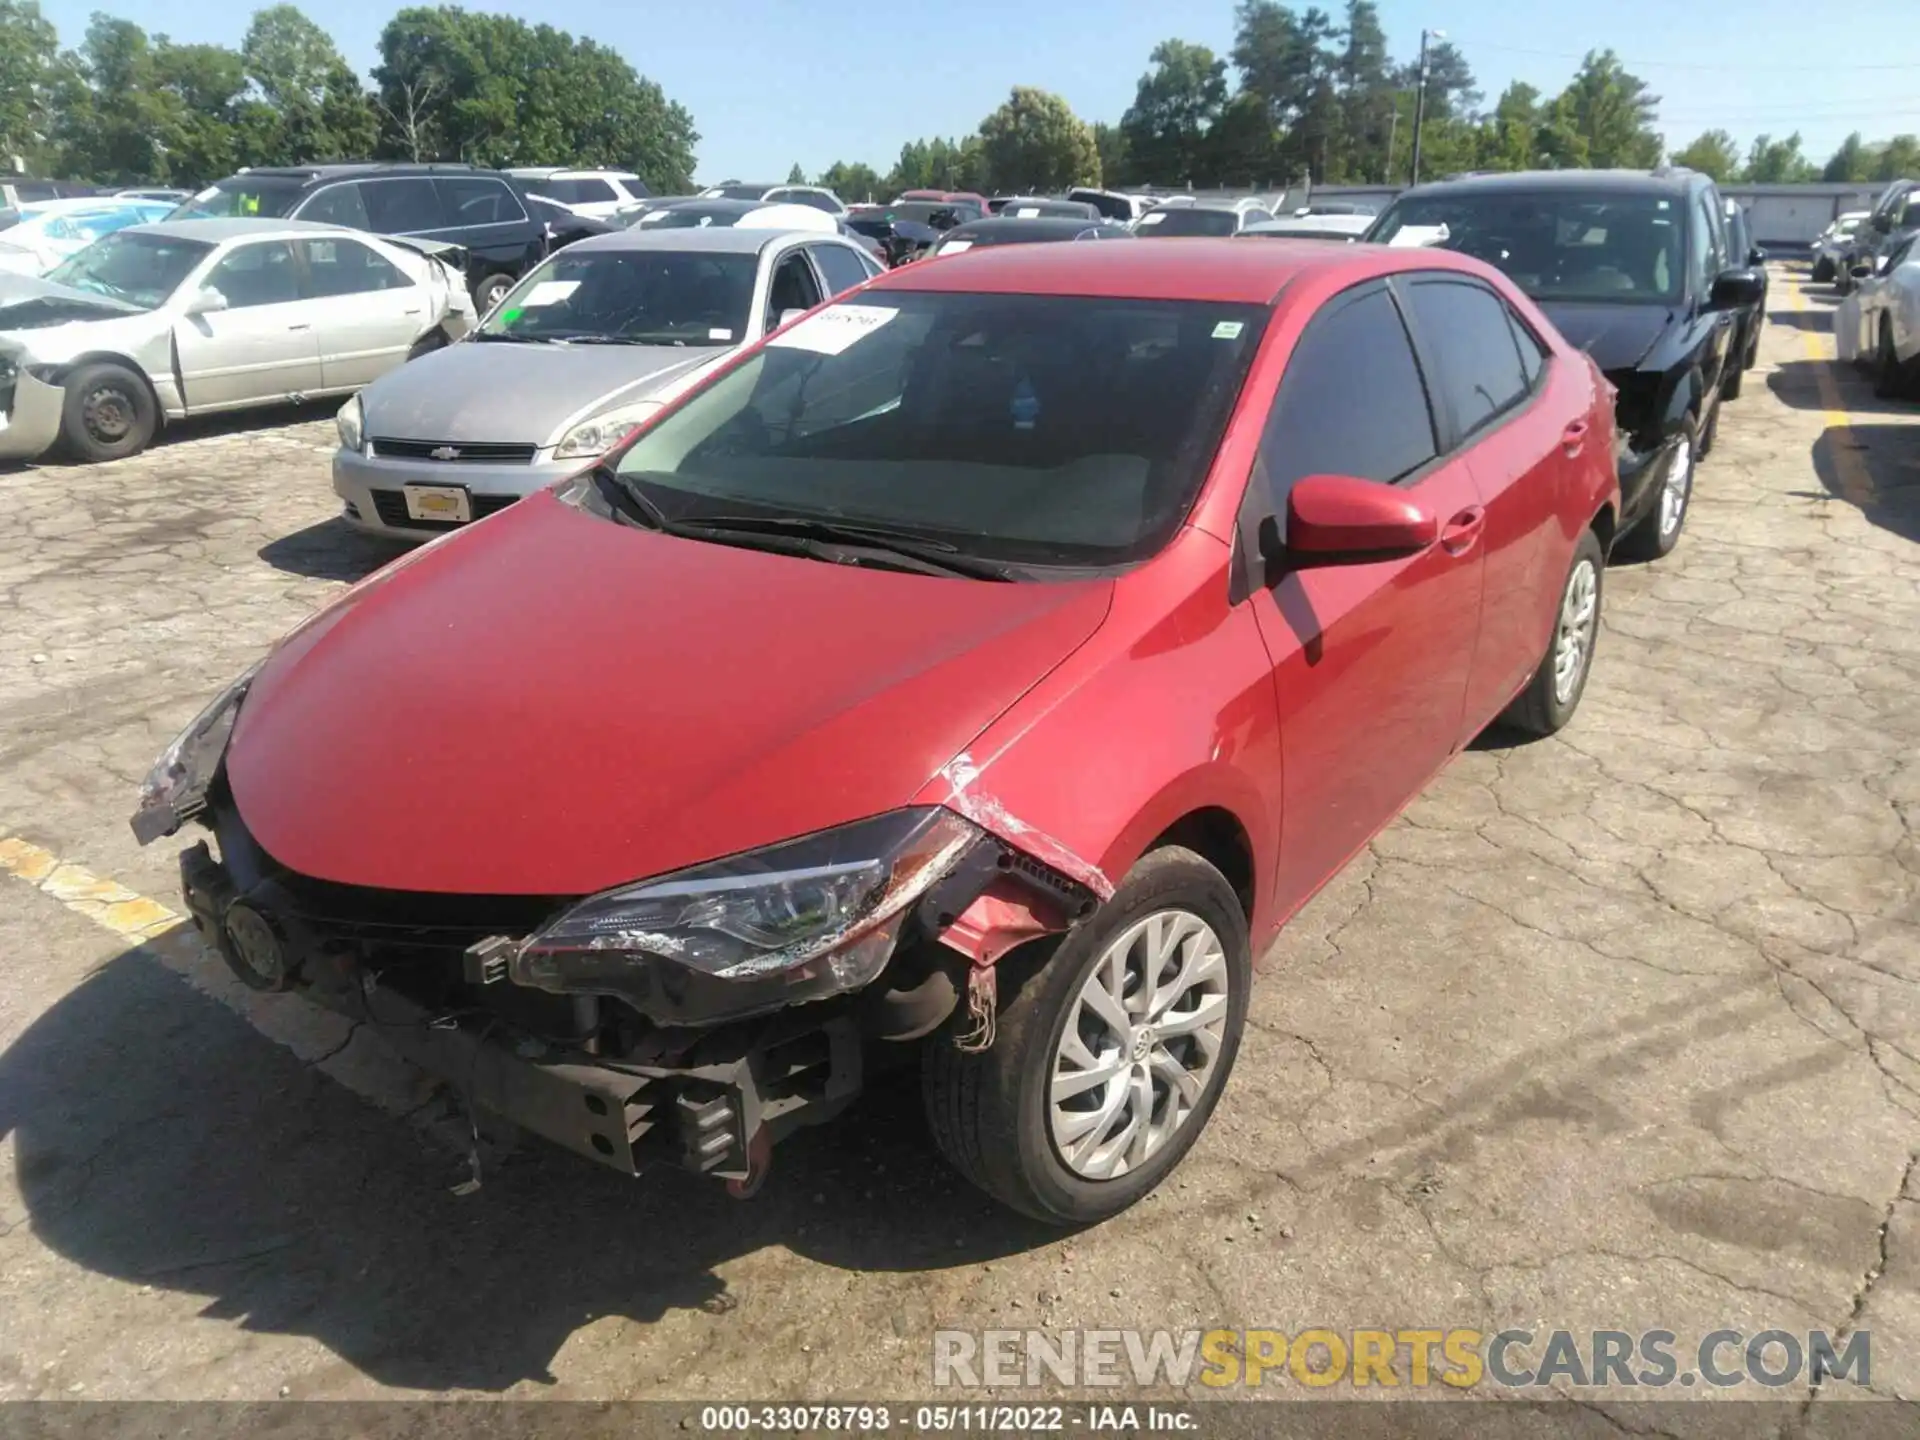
point(32, 423)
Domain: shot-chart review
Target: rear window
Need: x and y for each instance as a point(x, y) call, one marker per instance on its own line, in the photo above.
point(1188, 220)
point(583, 191)
point(1046, 430)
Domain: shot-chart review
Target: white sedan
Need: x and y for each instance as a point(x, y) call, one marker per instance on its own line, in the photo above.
point(1878, 324)
point(45, 233)
point(189, 317)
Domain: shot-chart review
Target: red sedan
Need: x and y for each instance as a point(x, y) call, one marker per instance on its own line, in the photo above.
point(976, 674)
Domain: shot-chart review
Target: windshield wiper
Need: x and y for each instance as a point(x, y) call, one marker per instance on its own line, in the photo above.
point(926, 552)
point(631, 501)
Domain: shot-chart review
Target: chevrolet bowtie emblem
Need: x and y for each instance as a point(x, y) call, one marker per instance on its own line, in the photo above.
point(445, 452)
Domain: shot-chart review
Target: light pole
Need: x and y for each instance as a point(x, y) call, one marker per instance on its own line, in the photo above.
point(1420, 101)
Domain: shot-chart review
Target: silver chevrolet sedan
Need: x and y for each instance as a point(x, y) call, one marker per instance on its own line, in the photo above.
point(189, 317)
point(568, 364)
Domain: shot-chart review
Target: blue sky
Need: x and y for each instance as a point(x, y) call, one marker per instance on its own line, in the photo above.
point(770, 82)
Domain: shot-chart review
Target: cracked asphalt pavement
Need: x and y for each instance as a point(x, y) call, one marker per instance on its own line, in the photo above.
point(1618, 1030)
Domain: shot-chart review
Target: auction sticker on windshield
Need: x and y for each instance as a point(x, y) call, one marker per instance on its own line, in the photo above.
point(832, 331)
point(549, 292)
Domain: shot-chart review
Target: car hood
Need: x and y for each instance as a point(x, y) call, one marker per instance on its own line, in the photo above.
point(1618, 337)
point(29, 303)
point(549, 703)
point(501, 393)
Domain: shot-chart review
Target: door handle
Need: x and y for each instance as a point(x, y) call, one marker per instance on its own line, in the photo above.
point(1573, 437)
point(1460, 533)
point(307, 326)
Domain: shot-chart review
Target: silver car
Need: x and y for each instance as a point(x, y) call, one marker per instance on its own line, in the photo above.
point(569, 363)
point(189, 317)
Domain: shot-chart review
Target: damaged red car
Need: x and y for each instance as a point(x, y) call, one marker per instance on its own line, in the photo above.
point(974, 675)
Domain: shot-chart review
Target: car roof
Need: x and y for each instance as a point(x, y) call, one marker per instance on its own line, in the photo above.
point(1528, 182)
point(1178, 268)
point(347, 169)
point(716, 239)
point(1034, 227)
point(236, 227)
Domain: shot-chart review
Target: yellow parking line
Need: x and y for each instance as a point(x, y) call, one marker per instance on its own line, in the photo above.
point(111, 906)
point(1856, 485)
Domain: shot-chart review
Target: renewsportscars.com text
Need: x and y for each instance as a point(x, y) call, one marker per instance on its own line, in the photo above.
point(1458, 1358)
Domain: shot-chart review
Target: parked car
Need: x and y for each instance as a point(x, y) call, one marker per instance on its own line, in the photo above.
point(18, 190)
point(188, 317)
point(561, 225)
point(1895, 215)
point(746, 214)
point(1005, 229)
point(817, 197)
point(1748, 320)
point(896, 238)
point(1335, 207)
point(482, 211)
point(1189, 217)
point(1879, 323)
point(1833, 244)
point(1113, 204)
point(967, 199)
point(1012, 562)
point(627, 216)
point(1632, 267)
point(575, 357)
point(599, 193)
point(39, 236)
point(1311, 227)
point(1033, 207)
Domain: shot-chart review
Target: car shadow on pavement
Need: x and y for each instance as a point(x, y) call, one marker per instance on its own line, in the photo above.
point(161, 1140)
point(1797, 384)
point(1812, 320)
point(1890, 458)
point(331, 550)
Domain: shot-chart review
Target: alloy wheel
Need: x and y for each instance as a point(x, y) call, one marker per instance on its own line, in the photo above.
point(1139, 1045)
point(1678, 489)
point(1573, 636)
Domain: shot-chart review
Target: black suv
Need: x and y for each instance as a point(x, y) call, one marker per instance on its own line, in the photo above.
point(482, 211)
point(1634, 268)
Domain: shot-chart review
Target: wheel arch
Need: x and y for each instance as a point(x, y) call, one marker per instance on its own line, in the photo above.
point(126, 362)
point(1215, 834)
point(1605, 526)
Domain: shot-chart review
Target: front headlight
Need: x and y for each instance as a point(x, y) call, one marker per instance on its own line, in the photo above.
point(351, 421)
point(598, 434)
point(796, 921)
point(175, 789)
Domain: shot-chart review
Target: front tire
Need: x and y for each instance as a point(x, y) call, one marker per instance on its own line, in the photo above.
point(1891, 379)
point(1657, 532)
point(108, 414)
point(1554, 693)
point(487, 293)
point(1111, 1052)
point(1822, 271)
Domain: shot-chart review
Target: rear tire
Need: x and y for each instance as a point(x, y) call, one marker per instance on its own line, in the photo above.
point(428, 343)
point(108, 414)
point(1554, 693)
point(1736, 375)
point(487, 293)
point(994, 1113)
point(1655, 534)
point(1822, 271)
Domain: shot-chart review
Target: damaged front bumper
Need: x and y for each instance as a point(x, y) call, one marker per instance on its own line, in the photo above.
point(1643, 475)
point(30, 411)
point(586, 1071)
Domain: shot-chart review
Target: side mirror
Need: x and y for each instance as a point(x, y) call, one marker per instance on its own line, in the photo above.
point(1756, 256)
point(1734, 289)
point(207, 302)
point(787, 317)
point(1340, 520)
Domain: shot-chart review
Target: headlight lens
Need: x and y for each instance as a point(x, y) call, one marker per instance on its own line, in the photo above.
point(351, 422)
point(797, 921)
point(175, 789)
point(593, 437)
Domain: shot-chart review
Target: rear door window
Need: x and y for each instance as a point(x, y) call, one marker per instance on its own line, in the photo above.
point(1476, 363)
point(585, 190)
point(479, 200)
point(262, 273)
point(405, 205)
point(337, 205)
point(840, 267)
point(1352, 401)
point(339, 266)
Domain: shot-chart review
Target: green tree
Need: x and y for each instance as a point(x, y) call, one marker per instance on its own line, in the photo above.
point(1612, 113)
point(491, 88)
point(1898, 158)
point(28, 54)
point(1711, 153)
point(795, 175)
point(310, 105)
point(1367, 94)
point(1850, 162)
point(1035, 142)
point(1174, 106)
point(1777, 162)
point(130, 108)
point(1116, 162)
point(1243, 148)
point(852, 183)
point(1507, 139)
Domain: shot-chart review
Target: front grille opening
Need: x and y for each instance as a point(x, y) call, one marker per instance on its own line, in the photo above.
point(465, 452)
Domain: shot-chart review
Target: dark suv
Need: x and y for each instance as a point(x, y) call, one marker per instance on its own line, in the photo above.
point(1636, 269)
point(482, 211)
